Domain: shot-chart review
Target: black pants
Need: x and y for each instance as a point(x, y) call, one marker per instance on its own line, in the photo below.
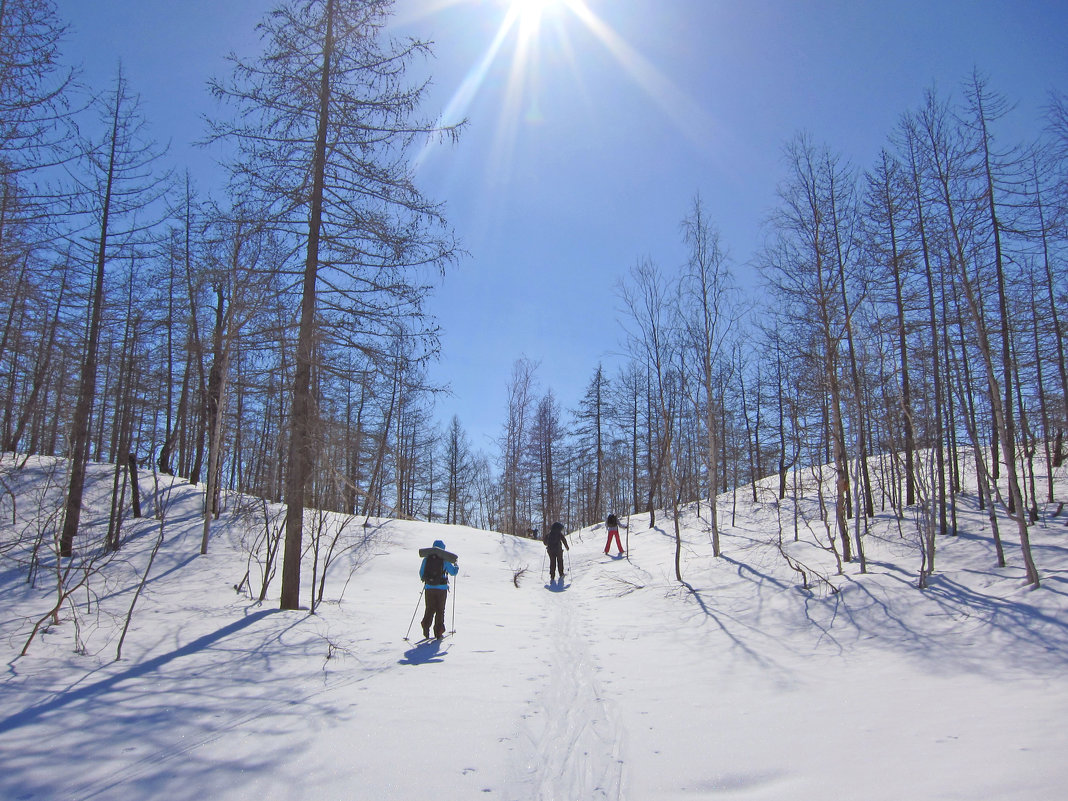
point(435, 611)
point(556, 563)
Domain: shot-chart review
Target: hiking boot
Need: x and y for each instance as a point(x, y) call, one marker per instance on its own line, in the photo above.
point(426, 634)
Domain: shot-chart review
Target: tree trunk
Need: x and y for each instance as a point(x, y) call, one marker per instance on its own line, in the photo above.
point(40, 373)
point(80, 433)
point(301, 447)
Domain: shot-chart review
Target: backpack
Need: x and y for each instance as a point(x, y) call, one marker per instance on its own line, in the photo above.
point(552, 539)
point(434, 571)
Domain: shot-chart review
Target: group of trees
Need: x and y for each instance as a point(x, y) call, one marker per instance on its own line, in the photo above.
point(910, 320)
point(274, 345)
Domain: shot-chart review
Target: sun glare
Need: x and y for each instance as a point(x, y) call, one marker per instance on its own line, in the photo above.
point(532, 8)
point(526, 30)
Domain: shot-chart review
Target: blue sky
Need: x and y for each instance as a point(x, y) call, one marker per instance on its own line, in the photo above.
point(591, 132)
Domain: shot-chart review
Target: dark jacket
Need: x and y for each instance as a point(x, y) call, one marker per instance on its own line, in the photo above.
point(556, 538)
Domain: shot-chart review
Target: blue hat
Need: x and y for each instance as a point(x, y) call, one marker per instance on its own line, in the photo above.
point(439, 544)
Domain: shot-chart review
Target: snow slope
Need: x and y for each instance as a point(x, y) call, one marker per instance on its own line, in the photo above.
point(621, 683)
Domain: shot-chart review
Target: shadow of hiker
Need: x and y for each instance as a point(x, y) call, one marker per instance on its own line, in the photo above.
point(424, 653)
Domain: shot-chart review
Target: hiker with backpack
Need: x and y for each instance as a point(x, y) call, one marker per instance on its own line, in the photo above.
point(612, 524)
point(555, 542)
point(435, 571)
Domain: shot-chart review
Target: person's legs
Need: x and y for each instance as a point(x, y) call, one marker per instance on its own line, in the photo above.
point(435, 600)
point(556, 561)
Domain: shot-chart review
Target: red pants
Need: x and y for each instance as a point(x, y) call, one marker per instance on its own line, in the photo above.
point(613, 532)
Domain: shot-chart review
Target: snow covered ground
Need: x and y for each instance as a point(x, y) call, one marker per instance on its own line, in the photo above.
point(621, 683)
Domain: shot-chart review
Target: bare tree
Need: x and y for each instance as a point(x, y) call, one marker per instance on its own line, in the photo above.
point(654, 335)
point(912, 136)
point(984, 108)
point(801, 267)
point(513, 440)
point(886, 216)
point(324, 124)
point(706, 290)
point(546, 440)
point(120, 194)
point(961, 174)
point(459, 469)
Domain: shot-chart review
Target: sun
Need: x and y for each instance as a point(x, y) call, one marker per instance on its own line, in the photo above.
point(527, 9)
point(532, 33)
point(528, 16)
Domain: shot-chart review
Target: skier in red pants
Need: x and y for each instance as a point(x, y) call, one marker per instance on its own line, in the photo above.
point(612, 524)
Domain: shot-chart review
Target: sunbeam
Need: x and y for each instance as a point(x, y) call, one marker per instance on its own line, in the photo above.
point(693, 121)
point(522, 27)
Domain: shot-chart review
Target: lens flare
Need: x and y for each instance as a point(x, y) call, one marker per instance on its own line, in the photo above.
point(519, 37)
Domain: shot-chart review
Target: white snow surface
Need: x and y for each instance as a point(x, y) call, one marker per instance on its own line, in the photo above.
point(620, 684)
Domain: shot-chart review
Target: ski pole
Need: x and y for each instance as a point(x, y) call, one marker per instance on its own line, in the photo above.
point(416, 612)
point(569, 562)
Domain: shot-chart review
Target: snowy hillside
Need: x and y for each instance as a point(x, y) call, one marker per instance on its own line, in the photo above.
point(621, 683)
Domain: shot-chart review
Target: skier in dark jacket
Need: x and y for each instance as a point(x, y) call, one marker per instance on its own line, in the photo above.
point(555, 542)
point(435, 572)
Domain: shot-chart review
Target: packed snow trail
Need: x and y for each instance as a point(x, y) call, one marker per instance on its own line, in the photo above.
point(576, 748)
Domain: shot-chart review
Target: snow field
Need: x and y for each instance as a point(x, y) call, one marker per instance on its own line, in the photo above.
point(623, 683)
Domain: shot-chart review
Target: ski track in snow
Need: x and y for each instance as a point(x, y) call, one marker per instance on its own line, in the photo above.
point(576, 743)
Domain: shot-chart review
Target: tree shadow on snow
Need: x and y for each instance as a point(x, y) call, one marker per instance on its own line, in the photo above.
point(736, 638)
point(159, 724)
point(101, 688)
point(960, 622)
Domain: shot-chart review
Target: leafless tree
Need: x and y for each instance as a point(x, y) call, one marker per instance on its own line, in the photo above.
point(324, 122)
point(801, 266)
point(707, 295)
point(121, 188)
point(459, 473)
point(546, 442)
point(654, 331)
point(514, 478)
